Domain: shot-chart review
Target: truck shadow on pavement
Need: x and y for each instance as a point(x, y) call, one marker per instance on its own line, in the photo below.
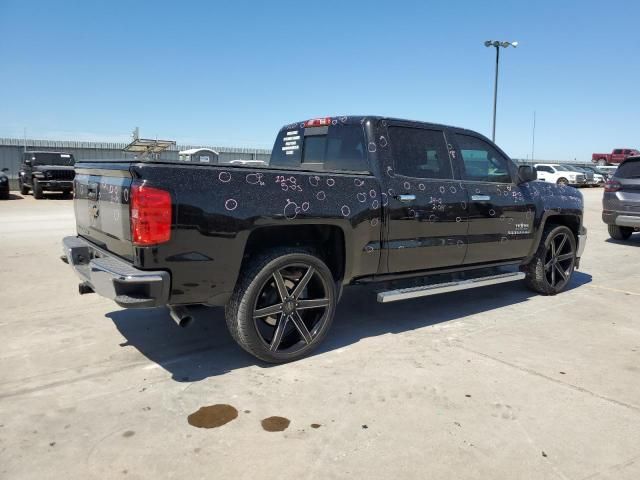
point(205, 349)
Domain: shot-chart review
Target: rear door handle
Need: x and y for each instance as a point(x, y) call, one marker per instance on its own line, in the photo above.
point(480, 198)
point(406, 198)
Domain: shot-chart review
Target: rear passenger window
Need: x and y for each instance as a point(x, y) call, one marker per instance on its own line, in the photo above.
point(337, 147)
point(420, 153)
point(628, 169)
point(482, 162)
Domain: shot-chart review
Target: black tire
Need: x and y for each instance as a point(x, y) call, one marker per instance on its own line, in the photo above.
point(544, 275)
point(562, 181)
point(23, 189)
point(37, 190)
point(278, 337)
point(619, 233)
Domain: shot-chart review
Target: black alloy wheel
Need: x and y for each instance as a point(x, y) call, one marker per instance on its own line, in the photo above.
point(283, 305)
point(291, 308)
point(559, 261)
point(552, 265)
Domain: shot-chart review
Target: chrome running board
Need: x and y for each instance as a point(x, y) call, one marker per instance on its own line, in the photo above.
point(423, 291)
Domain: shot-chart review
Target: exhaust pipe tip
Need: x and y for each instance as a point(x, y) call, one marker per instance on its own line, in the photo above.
point(181, 316)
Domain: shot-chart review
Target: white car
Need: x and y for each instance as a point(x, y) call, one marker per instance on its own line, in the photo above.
point(553, 173)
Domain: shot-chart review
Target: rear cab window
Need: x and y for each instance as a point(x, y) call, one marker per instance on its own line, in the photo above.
point(334, 147)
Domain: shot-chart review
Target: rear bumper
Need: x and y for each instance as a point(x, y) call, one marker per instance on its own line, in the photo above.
point(113, 278)
point(621, 219)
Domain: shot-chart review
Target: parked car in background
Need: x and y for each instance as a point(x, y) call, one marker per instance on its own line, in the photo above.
point(46, 171)
point(609, 170)
point(560, 174)
point(598, 176)
point(590, 176)
point(4, 184)
point(616, 156)
point(621, 200)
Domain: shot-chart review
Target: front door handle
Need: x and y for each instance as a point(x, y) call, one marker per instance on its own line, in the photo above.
point(480, 198)
point(406, 198)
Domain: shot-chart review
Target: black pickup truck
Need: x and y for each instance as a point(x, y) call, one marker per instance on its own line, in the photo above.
point(46, 171)
point(415, 207)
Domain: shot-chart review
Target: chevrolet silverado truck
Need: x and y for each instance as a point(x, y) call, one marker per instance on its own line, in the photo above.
point(616, 157)
point(414, 208)
point(46, 171)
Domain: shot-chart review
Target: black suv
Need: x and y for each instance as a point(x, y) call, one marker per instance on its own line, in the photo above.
point(621, 200)
point(51, 171)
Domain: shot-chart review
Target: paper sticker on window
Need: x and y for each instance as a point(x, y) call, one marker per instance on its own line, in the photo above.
point(295, 147)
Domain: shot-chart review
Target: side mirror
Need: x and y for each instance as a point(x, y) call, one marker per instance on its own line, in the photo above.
point(526, 173)
point(5, 170)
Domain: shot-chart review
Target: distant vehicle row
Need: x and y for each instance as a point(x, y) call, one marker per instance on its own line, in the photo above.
point(570, 175)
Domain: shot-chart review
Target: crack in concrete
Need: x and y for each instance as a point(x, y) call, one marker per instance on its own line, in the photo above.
point(555, 380)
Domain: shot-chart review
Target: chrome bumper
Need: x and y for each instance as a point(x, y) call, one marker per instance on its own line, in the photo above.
point(113, 278)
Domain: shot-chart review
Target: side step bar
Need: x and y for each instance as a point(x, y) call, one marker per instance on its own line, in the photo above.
point(423, 291)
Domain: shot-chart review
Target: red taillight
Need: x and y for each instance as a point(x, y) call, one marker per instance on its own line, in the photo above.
point(318, 122)
point(150, 215)
point(612, 186)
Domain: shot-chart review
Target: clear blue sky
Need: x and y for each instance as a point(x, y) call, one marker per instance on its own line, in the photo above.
point(231, 73)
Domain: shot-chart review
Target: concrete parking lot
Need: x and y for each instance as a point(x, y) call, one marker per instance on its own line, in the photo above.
point(462, 385)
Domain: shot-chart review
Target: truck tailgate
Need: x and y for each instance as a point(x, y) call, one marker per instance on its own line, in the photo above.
point(102, 206)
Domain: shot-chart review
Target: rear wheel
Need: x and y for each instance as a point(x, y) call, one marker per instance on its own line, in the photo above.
point(37, 190)
point(550, 270)
point(283, 305)
point(602, 162)
point(619, 233)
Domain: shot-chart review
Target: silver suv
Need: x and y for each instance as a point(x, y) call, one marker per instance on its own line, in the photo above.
point(621, 200)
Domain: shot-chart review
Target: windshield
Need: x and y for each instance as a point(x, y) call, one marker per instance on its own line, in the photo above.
point(58, 159)
point(562, 168)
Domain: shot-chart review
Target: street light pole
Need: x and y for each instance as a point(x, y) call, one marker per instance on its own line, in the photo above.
point(495, 94)
point(497, 45)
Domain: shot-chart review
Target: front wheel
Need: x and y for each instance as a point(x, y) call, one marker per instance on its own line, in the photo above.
point(562, 181)
point(619, 233)
point(23, 189)
point(551, 267)
point(37, 190)
point(283, 305)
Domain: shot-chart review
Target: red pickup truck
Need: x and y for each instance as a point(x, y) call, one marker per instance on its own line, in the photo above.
point(615, 157)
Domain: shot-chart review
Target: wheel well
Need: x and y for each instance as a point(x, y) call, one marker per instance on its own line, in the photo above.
point(570, 221)
point(326, 241)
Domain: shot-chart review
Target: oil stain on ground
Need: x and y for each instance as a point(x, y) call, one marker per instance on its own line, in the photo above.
point(275, 424)
point(213, 416)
